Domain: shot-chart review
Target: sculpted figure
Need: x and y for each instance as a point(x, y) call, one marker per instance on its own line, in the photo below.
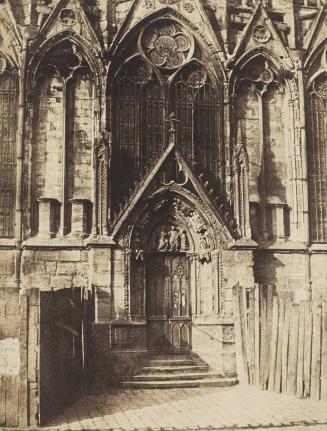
point(163, 241)
point(174, 239)
point(184, 241)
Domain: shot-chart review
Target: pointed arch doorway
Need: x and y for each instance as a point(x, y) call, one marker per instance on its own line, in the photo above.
point(168, 302)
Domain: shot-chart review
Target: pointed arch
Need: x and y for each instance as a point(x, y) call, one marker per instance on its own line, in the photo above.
point(279, 67)
point(90, 54)
point(316, 108)
point(212, 48)
point(63, 80)
point(260, 84)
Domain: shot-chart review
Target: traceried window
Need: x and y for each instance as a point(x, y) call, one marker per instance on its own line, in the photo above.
point(164, 72)
point(8, 128)
point(317, 156)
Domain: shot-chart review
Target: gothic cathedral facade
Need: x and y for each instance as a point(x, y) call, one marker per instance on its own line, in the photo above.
point(157, 153)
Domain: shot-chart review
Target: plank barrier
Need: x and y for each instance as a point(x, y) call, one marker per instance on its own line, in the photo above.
point(281, 345)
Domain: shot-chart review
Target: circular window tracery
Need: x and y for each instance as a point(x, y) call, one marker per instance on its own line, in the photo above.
point(320, 86)
point(166, 45)
point(138, 71)
point(195, 76)
point(68, 17)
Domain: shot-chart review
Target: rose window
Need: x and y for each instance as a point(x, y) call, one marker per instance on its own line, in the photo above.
point(166, 45)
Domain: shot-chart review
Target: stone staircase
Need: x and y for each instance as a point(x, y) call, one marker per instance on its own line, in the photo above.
point(176, 371)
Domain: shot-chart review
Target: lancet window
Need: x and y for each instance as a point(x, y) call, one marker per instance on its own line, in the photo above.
point(317, 149)
point(8, 129)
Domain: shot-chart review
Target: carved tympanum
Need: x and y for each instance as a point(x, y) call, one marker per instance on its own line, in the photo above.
point(173, 239)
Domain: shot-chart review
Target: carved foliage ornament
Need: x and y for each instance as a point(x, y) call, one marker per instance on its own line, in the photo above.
point(261, 33)
point(166, 45)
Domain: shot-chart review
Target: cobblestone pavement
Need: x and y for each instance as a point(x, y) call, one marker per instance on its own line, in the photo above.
point(190, 409)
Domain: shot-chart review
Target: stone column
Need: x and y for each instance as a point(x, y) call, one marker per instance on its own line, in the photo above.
point(78, 226)
point(46, 217)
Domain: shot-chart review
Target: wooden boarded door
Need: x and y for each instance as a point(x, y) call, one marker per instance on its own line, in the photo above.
point(168, 303)
point(64, 330)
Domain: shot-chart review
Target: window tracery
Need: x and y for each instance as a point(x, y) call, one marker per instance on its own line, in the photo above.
point(165, 74)
point(166, 45)
point(8, 127)
point(317, 152)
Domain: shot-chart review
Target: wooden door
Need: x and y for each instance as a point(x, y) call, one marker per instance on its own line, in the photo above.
point(168, 303)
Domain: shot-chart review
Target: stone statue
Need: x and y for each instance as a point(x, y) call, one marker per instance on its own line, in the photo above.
point(163, 244)
point(184, 241)
point(174, 239)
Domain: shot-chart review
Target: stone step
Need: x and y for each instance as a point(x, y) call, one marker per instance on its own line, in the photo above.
point(169, 356)
point(213, 382)
point(169, 362)
point(175, 369)
point(171, 376)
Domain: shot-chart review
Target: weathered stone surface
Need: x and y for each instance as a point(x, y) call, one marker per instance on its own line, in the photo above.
point(247, 199)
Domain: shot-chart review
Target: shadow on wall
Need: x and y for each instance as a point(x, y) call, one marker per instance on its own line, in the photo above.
point(266, 266)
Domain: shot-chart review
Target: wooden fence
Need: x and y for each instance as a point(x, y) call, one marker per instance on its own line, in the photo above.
point(281, 345)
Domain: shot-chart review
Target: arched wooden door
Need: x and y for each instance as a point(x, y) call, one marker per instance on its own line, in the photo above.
point(168, 302)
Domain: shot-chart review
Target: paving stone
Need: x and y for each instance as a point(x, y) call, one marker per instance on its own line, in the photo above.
point(237, 407)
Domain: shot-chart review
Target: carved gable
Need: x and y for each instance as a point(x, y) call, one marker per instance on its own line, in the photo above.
point(170, 183)
point(317, 35)
point(260, 33)
point(10, 35)
point(191, 13)
point(69, 15)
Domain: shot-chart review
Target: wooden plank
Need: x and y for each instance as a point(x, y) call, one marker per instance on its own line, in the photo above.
point(244, 333)
point(273, 344)
point(316, 347)
point(22, 394)
point(286, 330)
point(278, 373)
point(293, 349)
point(238, 335)
point(324, 353)
point(307, 348)
point(263, 335)
point(268, 334)
point(257, 334)
point(2, 401)
point(300, 354)
point(251, 336)
point(11, 385)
